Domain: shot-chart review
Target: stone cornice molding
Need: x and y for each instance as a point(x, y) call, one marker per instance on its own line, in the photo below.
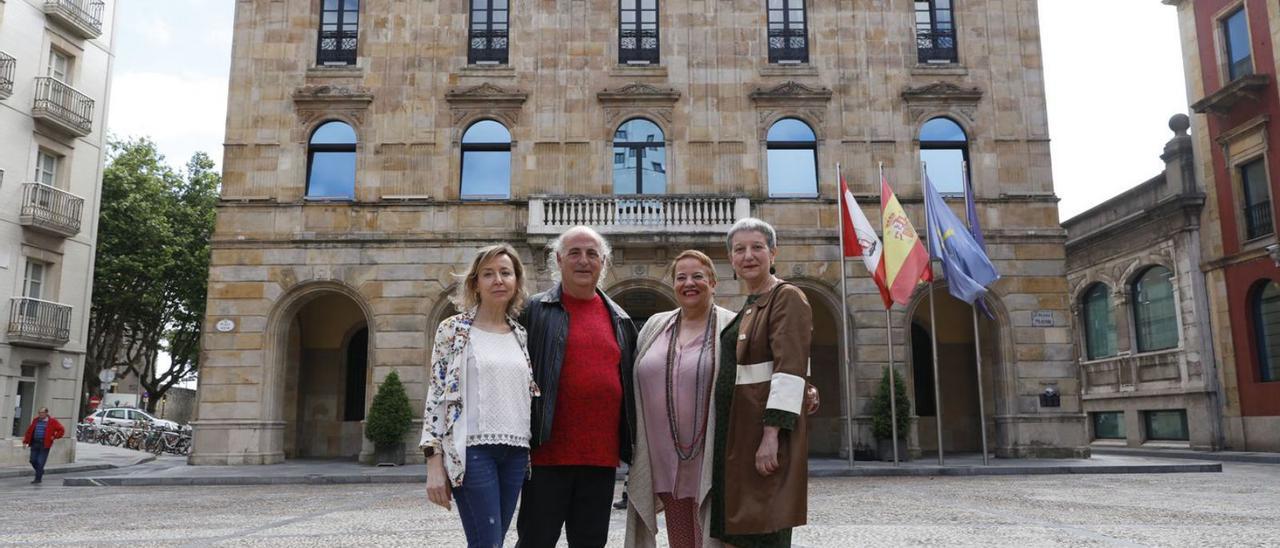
point(486, 100)
point(1244, 88)
point(790, 99)
point(942, 96)
point(638, 99)
point(313, 102)
point(791, 93)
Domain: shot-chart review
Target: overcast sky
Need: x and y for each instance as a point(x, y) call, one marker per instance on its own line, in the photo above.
point(1112, 82)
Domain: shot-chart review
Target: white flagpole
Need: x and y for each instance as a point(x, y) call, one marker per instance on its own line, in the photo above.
point(850, 385)
point(893, 388)
point(933, 321)
point(977, 339)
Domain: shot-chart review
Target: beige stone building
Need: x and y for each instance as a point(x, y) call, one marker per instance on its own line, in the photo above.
point(373, 145)
point(1140, 307)
point(55, 77)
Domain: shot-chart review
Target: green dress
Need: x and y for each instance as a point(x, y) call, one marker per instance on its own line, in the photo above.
point(723, 394)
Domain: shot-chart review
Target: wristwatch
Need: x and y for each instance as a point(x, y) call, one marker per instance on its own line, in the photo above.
point(428, 451)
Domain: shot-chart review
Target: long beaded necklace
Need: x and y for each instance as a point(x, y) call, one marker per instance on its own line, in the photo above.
point(701, 379)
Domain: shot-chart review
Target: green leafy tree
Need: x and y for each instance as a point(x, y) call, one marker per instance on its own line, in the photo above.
point(881, 416)
point(151, 266)
point(390, 416)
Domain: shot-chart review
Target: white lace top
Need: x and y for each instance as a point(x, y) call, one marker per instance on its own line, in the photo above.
point(497, 390)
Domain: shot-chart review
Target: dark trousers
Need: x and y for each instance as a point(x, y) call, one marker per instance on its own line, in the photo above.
point(579, 498)
point(487, 496)
point(39, 456)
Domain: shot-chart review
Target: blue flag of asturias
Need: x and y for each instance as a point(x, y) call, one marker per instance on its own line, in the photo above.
point(966, 265)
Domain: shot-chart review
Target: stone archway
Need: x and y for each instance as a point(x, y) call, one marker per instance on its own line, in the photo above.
point(642, 300)
point(958, 374)
point(317, 381)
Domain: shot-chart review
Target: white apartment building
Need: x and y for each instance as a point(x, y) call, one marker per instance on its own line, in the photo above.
point(55, 74)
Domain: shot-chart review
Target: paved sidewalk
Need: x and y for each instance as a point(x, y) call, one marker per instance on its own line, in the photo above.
point(169, 471)
point(1216, 456)
point(89, 457)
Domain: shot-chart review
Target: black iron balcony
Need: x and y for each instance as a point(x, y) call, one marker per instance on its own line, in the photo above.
point(638, 46)
point(83, 17)
point(62, 106)
point(7, 65)
point(1258, 220)
point(788, 46)
point(934, 47)
point(488, 47)
point(51, 210)
point(33, 322)
point(337, 47)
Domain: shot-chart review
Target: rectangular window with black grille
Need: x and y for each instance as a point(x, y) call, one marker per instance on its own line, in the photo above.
point(1257, 200)
point(638, 32)
point(935, 32)
point(788, 32)
point(339, 23)
point(488, 38)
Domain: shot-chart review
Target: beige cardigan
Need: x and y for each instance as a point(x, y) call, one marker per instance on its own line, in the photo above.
point(643, 505)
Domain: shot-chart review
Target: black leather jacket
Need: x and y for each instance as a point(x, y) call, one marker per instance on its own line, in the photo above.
point(548, 325)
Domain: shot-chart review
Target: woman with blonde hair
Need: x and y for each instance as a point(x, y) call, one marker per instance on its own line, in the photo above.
point(477, 447)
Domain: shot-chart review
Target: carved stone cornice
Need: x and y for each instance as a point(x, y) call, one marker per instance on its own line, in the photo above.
point(1244, 88)
point(312, 102)
point(921, 100)
point(787, 99)
point(637, 98)
point(486, 99)
point(790, 93)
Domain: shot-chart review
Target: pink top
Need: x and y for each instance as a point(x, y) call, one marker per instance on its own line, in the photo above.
point(670, 474)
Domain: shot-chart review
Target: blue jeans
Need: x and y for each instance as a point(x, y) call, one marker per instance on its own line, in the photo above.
point(490, 486)
point(39, 456)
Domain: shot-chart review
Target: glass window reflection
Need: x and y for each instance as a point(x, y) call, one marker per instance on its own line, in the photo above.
point(486, 161)
point(792, 159)
point(944, 150)
point(639, 158)
point(331, 162)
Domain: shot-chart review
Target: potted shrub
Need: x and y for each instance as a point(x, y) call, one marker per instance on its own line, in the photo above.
point(881, 421)
point(390, 418)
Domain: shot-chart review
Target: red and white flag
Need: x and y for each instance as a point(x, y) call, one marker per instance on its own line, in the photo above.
point(860, 239)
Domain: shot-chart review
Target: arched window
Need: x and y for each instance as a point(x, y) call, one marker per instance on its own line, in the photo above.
point(1153, 310)
point(1099, 328)
point(486, 161)
point(792, 159)
point(1266, 330)
point(339, 25)
point(331, 162)
point(944, 149)
point(639, 158)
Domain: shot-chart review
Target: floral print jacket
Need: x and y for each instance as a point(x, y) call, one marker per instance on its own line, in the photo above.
point(444, 425)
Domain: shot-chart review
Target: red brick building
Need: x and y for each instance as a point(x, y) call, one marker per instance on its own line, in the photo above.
point(1230, 57)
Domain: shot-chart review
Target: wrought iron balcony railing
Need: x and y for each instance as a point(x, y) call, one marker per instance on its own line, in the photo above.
point(7, 65)
point(936, 46)
point(638, 46)
point(63, 106)
point(34, 322)
point(1258, 220)
point(50, 209)
point(84, 17)
point(637, 213)
point(788, 46)
point(337, 47)
point(488, 47)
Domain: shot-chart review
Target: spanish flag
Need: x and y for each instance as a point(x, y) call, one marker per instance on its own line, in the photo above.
point(904, 263)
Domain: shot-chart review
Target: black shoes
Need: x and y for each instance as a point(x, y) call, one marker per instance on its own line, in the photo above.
point(36, 481)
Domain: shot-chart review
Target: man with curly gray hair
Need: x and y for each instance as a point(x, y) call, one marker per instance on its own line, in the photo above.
point(581, 344)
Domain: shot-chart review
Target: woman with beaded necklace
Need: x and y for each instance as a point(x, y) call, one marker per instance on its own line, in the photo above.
point(675, 367)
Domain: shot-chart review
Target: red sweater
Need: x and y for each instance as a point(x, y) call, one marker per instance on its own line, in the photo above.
point(584, 431)
point(52, 431)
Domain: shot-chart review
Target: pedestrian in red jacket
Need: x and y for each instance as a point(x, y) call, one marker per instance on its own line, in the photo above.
point(45, 429)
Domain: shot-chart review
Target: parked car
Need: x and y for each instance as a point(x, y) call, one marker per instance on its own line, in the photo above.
point(128, 418)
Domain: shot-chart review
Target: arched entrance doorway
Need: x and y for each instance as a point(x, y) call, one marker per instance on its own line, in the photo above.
point(326, 378)
point(827, 427)
point(641, 303)
point(957, 375)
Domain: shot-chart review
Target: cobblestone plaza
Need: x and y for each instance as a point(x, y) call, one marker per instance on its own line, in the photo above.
point(1232, 508)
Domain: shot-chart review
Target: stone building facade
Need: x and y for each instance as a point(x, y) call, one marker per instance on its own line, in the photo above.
point(1140, 311)
point(1230, 56)
point(55, 77)
point(372, 147)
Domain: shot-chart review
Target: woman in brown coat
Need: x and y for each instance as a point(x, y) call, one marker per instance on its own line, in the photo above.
point(759, 485)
